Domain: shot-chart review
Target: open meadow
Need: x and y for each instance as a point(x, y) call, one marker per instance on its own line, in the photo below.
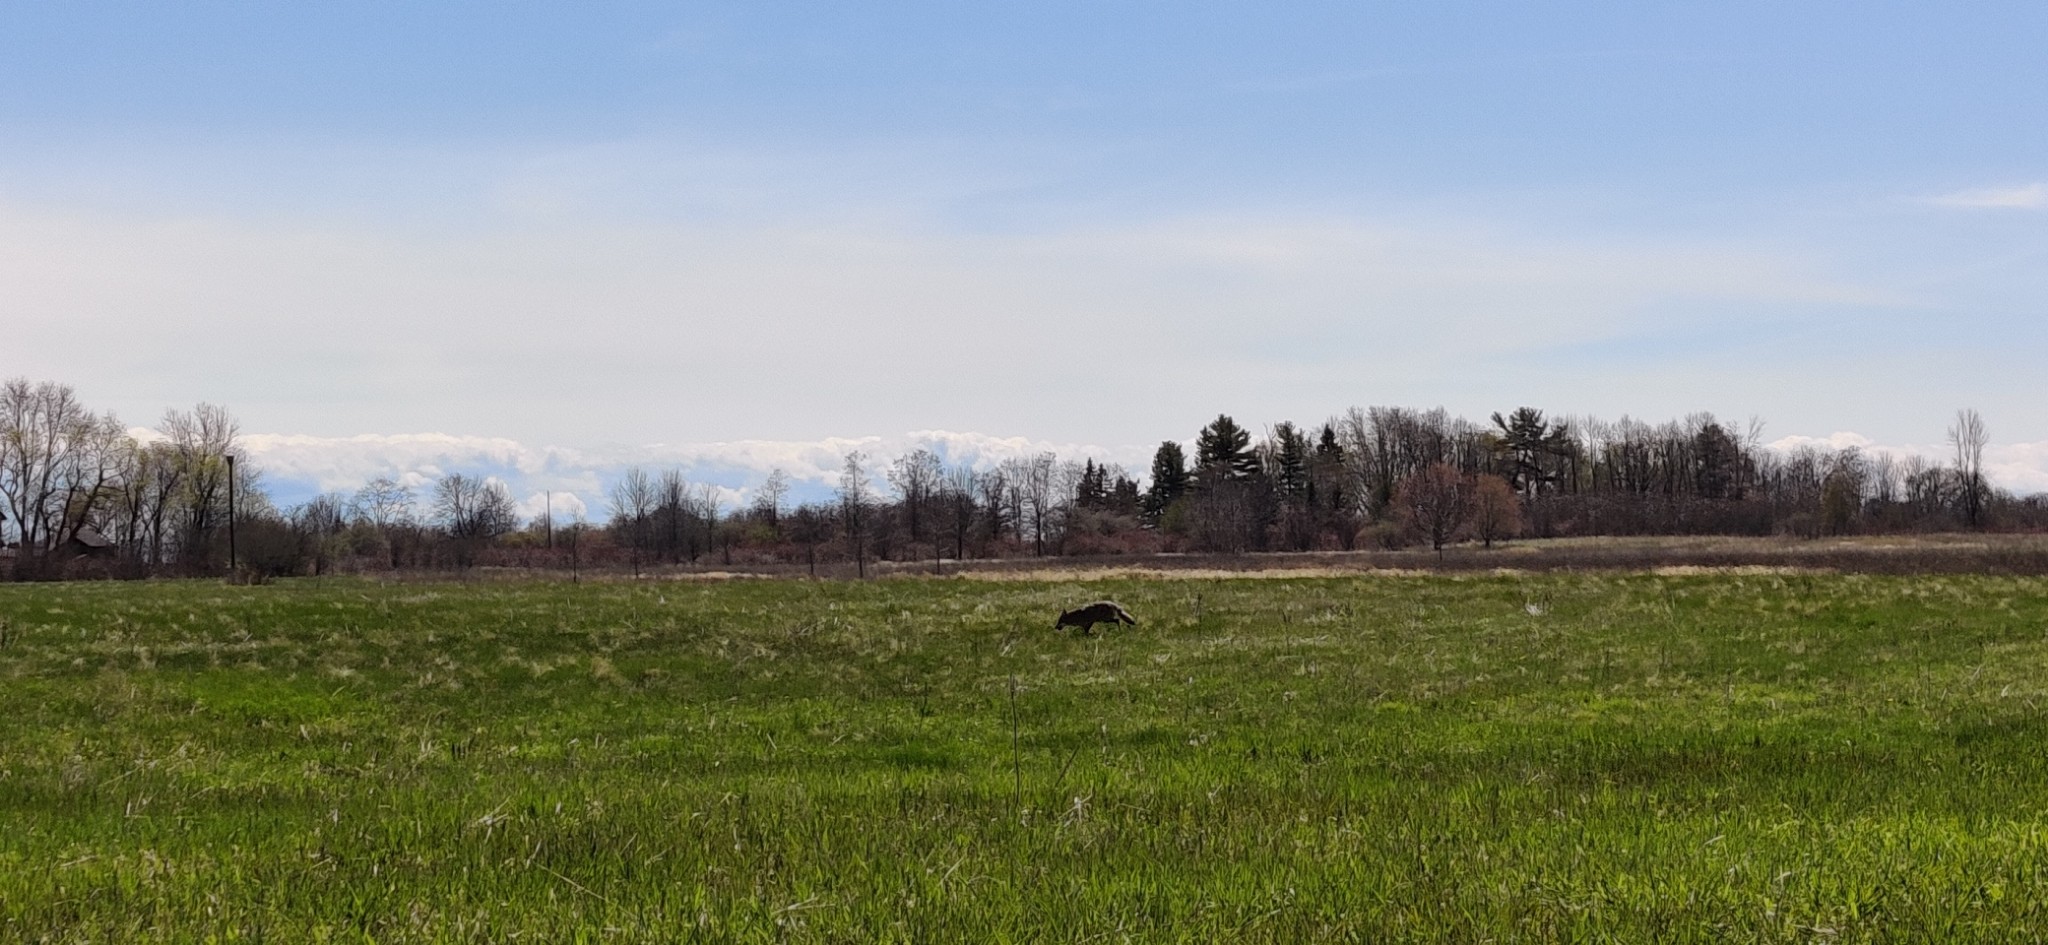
point(1694, 757)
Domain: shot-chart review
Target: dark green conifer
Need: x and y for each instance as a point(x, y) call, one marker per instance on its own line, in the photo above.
point(1169, 481)
point(1225, 449)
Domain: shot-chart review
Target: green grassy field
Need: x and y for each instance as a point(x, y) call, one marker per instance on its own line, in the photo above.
point(1717, 757)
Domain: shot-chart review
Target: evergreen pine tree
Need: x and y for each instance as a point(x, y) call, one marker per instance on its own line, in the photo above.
point(1123, 496)
point(1526, 439)
point(1326, 478)
point(1225, 448)
point(1092, 492)
point(1169, 481)
point(1290, 464)
point(1327, 447)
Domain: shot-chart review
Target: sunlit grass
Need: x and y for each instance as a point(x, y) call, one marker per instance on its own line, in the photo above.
point(1709, 757)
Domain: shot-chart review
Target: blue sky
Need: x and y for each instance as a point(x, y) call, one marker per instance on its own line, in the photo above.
point(610, 226)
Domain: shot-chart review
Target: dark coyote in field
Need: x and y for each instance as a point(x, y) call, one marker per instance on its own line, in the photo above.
point(1087, 616)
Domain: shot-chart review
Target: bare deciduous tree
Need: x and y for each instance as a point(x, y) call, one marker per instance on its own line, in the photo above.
point(915, 477)
point(318, 523)
point(381, 503)
point(473, 510)
point(61, 467)
point(572, 542)
point(855, 498)
point(671, 520)
point(634, 499)
point(769, 499)
point(1044, 493)
point(1496, 509)
point(812, 526)
point(710, 510)
point(384, 508)
point(149, 500)
point(1434, 502)
point(1968, 438)
point(200, 443)
point(957, 508)
point(994, 486)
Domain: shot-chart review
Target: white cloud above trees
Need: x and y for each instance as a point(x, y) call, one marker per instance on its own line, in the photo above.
point(2021, 468)
point(297, 466)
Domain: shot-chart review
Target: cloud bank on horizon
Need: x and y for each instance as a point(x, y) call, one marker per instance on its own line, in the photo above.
point(770, 224)
point(575, 481)
point(297, 467)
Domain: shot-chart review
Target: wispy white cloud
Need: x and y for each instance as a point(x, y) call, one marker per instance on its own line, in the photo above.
point(2026, 197)
point(2021, 467)
point(564, 506)
point(413, 459)
point(709, 330)
point(1838, 440)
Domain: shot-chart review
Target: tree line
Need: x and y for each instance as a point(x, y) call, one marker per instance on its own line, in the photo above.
point(80, 495)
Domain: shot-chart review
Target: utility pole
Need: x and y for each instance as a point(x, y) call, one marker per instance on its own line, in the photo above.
point(231, 513)
point(551, 519)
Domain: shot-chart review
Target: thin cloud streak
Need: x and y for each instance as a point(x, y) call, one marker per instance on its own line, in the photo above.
point(2029, 197)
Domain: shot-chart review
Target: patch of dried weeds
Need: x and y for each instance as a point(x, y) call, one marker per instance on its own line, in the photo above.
point(1738, 570)
point(1079, 573)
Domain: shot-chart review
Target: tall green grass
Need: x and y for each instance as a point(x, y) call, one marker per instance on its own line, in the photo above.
point(1558, 757)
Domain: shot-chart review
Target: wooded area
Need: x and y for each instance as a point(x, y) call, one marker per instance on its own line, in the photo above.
point(82, 497)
